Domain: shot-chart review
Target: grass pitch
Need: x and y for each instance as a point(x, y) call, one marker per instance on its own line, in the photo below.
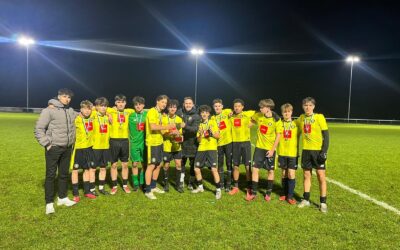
point(364, 157)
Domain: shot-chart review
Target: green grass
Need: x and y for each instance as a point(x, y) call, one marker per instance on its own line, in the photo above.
point(364, 157)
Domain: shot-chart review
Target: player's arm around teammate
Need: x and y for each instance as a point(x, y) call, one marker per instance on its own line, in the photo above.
point(154, 143)
point(241, 143)
point(83, 156)
point(268, 136)
point(224, 142)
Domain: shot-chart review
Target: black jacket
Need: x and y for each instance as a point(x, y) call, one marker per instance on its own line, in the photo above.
point(192, 120)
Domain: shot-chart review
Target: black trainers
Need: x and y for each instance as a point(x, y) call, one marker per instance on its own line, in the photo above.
point(180, 188)
point(166, 187)
point(135, 188)
point(103, 192)
point(94, 193)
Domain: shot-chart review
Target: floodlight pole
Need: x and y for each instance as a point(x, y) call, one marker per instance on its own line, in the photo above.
point(351, 79)
point(27, 78)
point(195, 83)
point(26, 41)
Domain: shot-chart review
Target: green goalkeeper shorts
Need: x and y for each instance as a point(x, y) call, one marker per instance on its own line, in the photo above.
point(138, 154)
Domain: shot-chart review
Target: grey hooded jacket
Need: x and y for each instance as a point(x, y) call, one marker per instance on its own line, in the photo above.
point(55, 126)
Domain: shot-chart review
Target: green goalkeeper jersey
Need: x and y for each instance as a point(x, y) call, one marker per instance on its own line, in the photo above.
point(137, 128)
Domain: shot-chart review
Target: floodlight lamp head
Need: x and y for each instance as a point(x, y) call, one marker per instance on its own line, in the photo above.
point(26, 41)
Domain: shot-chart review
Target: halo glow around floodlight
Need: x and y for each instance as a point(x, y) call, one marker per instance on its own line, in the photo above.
point(197, 52)
point(25, 41)
point(352, 59)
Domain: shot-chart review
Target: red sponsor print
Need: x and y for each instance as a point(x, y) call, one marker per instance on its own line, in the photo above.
point(179, 139)
point(287, 134)
point(307, 128)
point(237, 122)
point(140, 126)
point(121, 118)
point(222, 125)
point(263, 129)
point(89, 125)
point(103, 128)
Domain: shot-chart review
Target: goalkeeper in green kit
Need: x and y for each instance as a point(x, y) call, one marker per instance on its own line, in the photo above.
point(137, 129)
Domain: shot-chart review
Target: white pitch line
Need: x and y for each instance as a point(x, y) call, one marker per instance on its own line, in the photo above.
point(362, 195)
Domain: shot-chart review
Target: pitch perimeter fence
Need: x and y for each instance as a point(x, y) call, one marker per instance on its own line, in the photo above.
point(338, 120)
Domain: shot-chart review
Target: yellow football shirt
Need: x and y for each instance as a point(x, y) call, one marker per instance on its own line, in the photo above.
point(101, 131)
point(267, 130)
point(311, 130)
point(289, 140)
point(240, 126)
point(170, 143)
point(225, 127)
point(209, 143)
point(119, 128)
point(83, 132)
point(153, 138)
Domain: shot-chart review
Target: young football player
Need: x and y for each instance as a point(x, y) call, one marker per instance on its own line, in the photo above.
point(154, 143)
point(101, 137)
point(315, 138)
point(287, 153)
point(268, 136)
point(172, 146)
point(224, 142)
point(83, 156)
point(119, 142)
point(241, 144)
point(137, 121)
point(207, 153)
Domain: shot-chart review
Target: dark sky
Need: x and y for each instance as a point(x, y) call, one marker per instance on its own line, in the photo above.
point(311, 41)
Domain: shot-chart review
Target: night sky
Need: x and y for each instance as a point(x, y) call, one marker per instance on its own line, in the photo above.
point(302, 46)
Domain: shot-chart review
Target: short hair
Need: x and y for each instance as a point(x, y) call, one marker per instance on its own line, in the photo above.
point(161, 97)
point(309, 99)
point(217, 100)
point(205, 108)
point(173, 102)
point(65, 91)
point(120, 97)
point(286, 106)
point(138, 100)
point(188, 98)
point(86, 104)
point(238, 100)
point(101, 101)
point(268, 103)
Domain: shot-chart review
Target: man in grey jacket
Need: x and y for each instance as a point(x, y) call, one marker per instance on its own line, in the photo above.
point(55, 131)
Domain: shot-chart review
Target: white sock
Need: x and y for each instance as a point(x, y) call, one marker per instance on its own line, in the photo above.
point(182, 177)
